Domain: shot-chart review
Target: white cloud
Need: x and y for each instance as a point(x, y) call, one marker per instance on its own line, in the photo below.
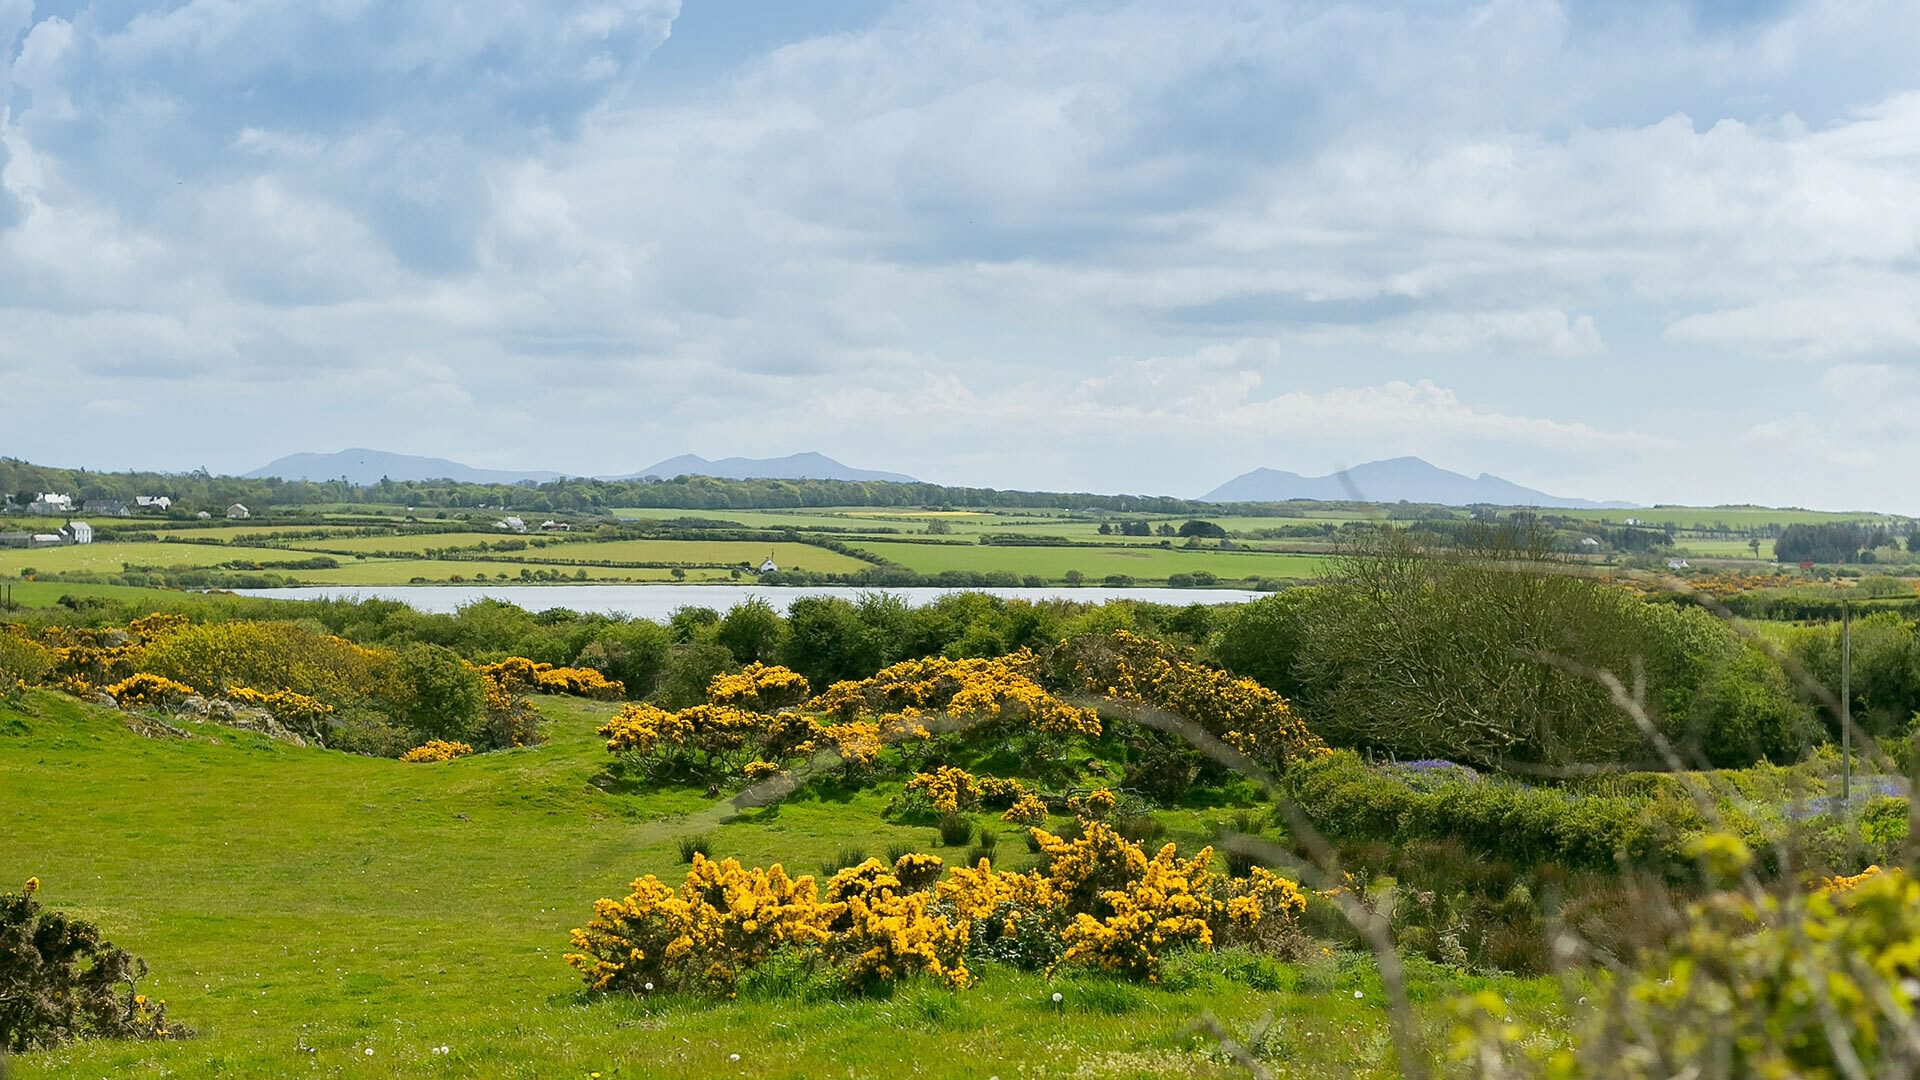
point(1352, 226)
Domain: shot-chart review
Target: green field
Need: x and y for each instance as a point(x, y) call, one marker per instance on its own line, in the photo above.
point(412, 542)
point(558, 550)
point(1735, 517)
point(108, 558)
point(1722, 549)
point(1150, 564)
point(315, 913)
point(403, 571)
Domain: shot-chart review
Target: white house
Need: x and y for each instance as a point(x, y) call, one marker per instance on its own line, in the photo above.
point(511, 524)
point(1676, 564)
point(153, 502)
point(80, 532)
point(769, 567)
point(50, 503)
point(1589, 543)
point(555, 526)
point(238, 511)
point(203, 515)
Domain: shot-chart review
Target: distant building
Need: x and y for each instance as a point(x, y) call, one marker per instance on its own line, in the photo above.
point(239, 511)
point(108, 508)
point(50, 503)
point(1676, 564)
point(511, 524)
point(78, 532)
point(1633, 521)
point(153, 502)
point(203, 515)
point(769, 567)
point(555, 526)
point(1590, 543)
point(40, 540)
point(15, 539)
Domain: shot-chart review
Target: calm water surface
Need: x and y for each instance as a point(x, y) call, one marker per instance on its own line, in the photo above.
point(660, 601)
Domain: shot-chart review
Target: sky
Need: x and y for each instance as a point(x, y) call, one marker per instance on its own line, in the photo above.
point(1661, 251)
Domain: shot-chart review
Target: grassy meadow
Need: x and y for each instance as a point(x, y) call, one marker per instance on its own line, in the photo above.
point(316, 913)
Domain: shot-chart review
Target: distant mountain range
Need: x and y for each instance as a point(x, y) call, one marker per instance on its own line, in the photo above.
point(1394, 480)
point(803, 466)
point(362, 467)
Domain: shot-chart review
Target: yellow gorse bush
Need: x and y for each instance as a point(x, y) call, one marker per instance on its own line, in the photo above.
point(293, 709)
point(759, 687)
point(86, 657)
point(143, 690)
point(437, 750)
point(1240, 712)
point(214, 657)
point(983, 691)
point(723, 919)
point(751, 716)
point(519, 673)
point(1102, 902)
point(1029, 810)
point(1096, 805)
point(950, 790)
point(1844, 882)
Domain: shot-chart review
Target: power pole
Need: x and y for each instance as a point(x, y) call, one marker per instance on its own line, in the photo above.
point(1846, 700)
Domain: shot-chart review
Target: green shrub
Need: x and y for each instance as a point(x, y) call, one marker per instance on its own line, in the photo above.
point(955, 830)
point(21, 662)
point(845, 857)
point(60, 981)
point(689, 671)
point(1262, 639)
point(364, 731)
point(694, 845)
point(442, 698)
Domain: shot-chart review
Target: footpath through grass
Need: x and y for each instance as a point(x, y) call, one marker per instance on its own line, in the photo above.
point(314, 913)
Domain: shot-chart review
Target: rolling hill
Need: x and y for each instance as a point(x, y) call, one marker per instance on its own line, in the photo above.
point(803, 466)
point(363, 467)
point(1408, 479)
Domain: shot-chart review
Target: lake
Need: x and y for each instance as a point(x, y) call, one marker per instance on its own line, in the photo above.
point(659, 601)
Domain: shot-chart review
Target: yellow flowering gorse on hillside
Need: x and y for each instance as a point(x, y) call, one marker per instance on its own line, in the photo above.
point(437, 750)
point(1102, 902)
point(1240, 712)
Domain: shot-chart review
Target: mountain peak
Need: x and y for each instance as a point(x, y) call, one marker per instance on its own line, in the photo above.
point(1400, 479)
point(363, 466)
point(805, 465)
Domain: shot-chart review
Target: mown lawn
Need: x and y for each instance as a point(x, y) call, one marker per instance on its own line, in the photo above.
point(313, 913)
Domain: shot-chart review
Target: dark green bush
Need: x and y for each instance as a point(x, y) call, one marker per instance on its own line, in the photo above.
point(60, 981)
point(955, 830)
point(443, 697)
